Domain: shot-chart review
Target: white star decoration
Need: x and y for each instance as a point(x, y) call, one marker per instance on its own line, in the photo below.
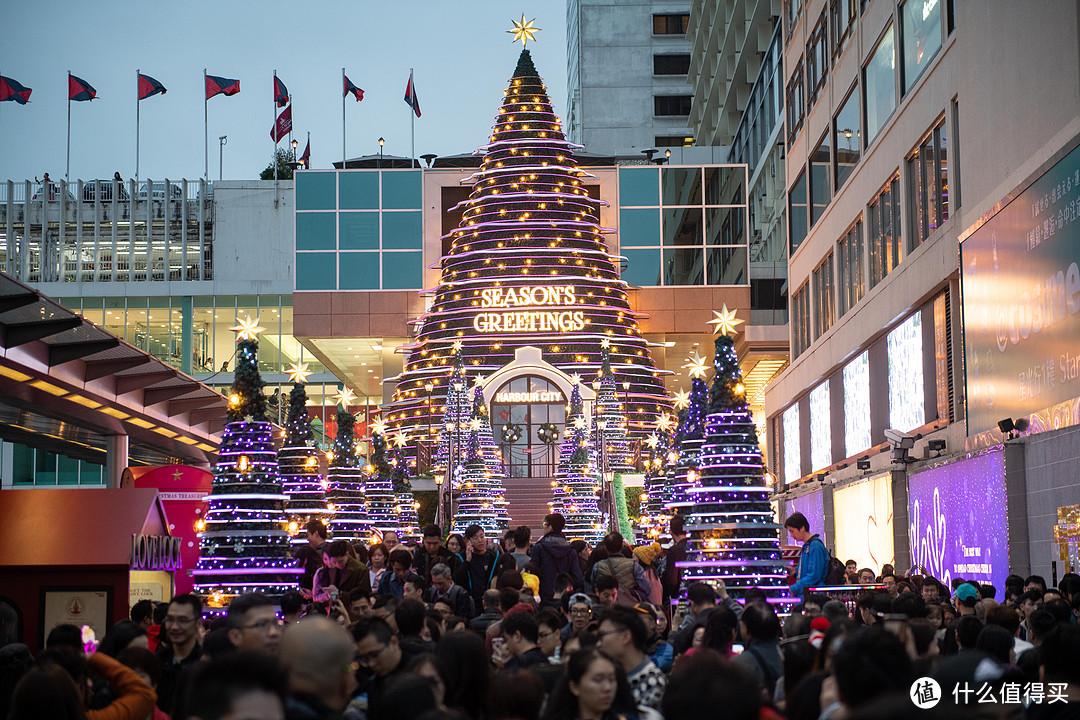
point(456, 347)
point(575, 378)
point(298, 373)
point(475, 424)
point(378, 427)
point(247, 329)
point(579, 422)
point(652, 441)
point(682, 399)
point(665, 422)
point(345, 397)
point(479, 381)
point(605, 343)
point(725, 321)
point(697, 366)
point(400, 439)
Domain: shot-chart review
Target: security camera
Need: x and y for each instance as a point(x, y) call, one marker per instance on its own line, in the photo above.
point(900, 439)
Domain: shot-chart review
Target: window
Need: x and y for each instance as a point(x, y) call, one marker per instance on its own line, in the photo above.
point(797, 213)
point(671, 105)
point(670, 24)
point(842, 17)
point(920, 32)
point(928, 186)
point(792, 10)
point(883, 228)
point(800, 321)
point(849, 268)
point(671, 64)
point(662, 141)
point(824, 297)
point(819, 179)
point(795, 103)
point(879, 85)
point(846, 139)
point(817, 59)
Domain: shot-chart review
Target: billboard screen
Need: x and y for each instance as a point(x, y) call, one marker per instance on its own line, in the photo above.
point(865, 529)
point(958, 525)
point(812, 505)
point(1021, 289)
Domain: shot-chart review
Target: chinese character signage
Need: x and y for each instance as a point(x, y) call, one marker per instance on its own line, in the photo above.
point(1021, 288)
point(958, 523)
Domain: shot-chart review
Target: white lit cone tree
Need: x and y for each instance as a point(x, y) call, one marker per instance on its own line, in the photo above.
point(576, 489)
point(481, 499)
point(345, 482)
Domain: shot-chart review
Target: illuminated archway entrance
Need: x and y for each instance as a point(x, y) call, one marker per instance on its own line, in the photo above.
point(529, 396)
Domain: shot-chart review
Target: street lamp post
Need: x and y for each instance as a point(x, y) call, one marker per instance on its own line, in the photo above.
point(222, 142)
point(381, 143)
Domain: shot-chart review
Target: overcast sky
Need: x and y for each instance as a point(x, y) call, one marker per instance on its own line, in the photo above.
point(459, 49)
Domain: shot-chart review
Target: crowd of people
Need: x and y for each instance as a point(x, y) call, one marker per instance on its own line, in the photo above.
point(472, 628)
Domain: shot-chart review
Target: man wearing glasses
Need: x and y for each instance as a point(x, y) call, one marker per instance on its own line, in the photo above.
point(181, 647)
point(378, 650)
point(253, 624)
point(579, 609)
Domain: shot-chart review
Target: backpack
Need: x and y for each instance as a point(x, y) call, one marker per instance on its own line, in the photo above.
point(835, 571)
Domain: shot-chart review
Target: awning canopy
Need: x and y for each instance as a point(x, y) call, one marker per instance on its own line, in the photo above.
point(66, 385)
point(58, 527)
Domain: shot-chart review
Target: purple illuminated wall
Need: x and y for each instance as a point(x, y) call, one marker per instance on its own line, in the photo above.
point(958, 520)
point(812, 505)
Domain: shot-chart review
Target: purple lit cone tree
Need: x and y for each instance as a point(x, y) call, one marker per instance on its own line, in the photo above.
point(575, 489)
point(298, 462)
point(482, 495)
point(345, 485)
point(243, 538)
point(732, 534)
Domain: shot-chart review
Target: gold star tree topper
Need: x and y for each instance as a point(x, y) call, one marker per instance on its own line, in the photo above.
point(247, 329)
point(524, 31)
point(725, 321)
point(401, 439)
point(345, 397)
point(682, 399)
point(697, 366)
point(298, 373)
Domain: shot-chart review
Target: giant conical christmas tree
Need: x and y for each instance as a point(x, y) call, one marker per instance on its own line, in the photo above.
point(298, 461)
point(576, 487)
point(527, 266)
point(732, 534)
point(243, 538)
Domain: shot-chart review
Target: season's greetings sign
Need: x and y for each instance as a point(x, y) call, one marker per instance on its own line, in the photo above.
point(958, 523)
point(528, 309)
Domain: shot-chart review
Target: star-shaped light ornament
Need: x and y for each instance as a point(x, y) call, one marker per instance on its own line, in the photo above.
point(665, 423)
point(580, 422)
point(524, 31)
point(605, 343)
point(378, 427)
point(298, 373)
point(697, 366)
point(479, 381)
point(653, 440)
point(475, 424)
point(682, 399)
point(247, 329)
point(345, 397)
point(456, 347)
point(575, 379)
point(725, 321)
point(400, 439)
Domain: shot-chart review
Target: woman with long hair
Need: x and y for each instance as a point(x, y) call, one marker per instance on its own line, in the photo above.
point(377, 557)
point(593, 688)
point(465, 671)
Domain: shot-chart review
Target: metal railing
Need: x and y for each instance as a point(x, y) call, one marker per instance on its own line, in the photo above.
point(107, 231)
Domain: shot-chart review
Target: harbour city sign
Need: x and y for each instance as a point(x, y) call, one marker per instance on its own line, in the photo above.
point(525, 310)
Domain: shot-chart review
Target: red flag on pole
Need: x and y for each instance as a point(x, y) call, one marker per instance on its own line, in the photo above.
point(305, 159)
point(281, 93)
point(283, 126)
point(149, 86)
point(79, 89)
point(12, 90)
point(216, 85)
point(410, 97)
point(350, 88)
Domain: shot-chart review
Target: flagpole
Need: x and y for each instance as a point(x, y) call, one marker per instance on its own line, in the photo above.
point(137, 107)
point(343, 94)
point(206, 133)
point(67, 168)
point(412, 120)
point(308, 147)
point(273, 132)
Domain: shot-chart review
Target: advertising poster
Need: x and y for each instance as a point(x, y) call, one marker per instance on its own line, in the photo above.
point(864, 527)
point(1021, 289)
point(76, 606)
point(958, 522)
